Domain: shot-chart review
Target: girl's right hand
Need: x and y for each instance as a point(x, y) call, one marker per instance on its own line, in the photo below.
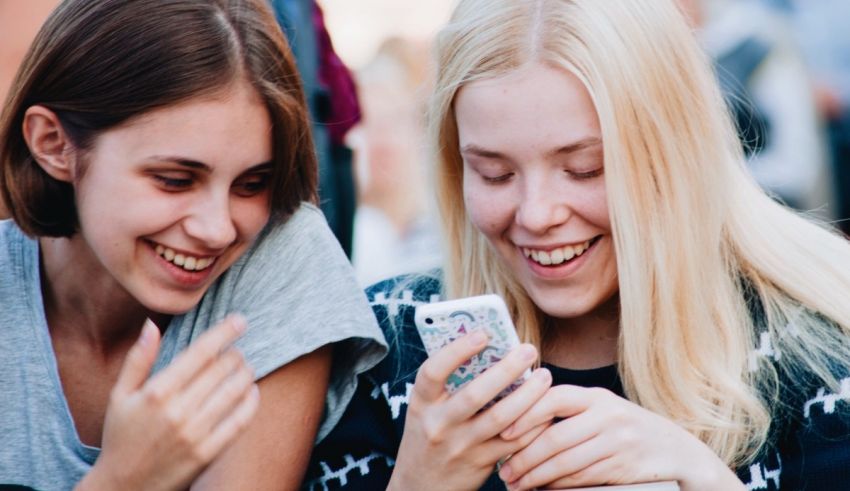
point(160, 433)
point(447, 442)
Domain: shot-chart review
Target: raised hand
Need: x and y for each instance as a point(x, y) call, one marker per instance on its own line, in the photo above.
point(605, 439)
point(159, 434)
point(448, 441)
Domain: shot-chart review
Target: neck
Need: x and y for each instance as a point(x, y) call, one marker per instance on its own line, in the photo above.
point(585, 342)
point(82, 301)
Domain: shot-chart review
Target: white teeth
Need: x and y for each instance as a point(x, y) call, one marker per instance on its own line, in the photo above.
point(189, 263)
point(556, 256)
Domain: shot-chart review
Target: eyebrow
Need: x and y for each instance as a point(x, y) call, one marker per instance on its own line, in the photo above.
point(590, 141)
point(194, 164)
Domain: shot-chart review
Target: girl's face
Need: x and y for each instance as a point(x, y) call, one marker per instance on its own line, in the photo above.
point(171, 199)
point(533, 185)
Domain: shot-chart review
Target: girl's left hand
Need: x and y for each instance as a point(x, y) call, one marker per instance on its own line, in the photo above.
point(605, 439)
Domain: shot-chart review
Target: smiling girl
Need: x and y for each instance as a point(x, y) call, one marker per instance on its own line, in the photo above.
point(689, 327)
point(157, 162)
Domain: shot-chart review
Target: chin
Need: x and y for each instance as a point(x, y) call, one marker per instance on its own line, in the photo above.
point(171, 306)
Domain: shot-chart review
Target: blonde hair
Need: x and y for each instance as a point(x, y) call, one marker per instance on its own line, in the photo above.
point(700, 247)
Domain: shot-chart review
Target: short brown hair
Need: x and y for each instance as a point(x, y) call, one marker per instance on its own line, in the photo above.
point(99, 63)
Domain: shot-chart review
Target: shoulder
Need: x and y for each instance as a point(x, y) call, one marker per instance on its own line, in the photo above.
point(305, 228)
point(394, 300)
point(394, 303)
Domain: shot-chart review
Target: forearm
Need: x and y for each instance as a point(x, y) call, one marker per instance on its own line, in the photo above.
point(274, 450)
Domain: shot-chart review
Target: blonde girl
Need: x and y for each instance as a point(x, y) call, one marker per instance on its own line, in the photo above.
point(589, 173)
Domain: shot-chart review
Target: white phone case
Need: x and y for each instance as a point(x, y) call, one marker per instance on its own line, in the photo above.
point(442, 322)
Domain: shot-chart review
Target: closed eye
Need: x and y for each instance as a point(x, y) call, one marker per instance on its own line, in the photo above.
point(498, 179)
point(173, 183)
point(586, 175)
point(252, 184)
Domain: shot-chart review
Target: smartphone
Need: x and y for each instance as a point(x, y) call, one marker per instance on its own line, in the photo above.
point(440, 323)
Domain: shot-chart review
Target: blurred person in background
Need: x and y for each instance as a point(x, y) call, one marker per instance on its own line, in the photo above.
point(395, 231)
point(767, 86)
point(821, 29)
point(332, 99)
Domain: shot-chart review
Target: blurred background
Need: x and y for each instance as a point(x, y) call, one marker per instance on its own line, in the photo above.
point(784, 66)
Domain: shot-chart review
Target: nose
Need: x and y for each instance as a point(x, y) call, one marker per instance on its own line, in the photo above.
point(541, 207)
point(210, 222)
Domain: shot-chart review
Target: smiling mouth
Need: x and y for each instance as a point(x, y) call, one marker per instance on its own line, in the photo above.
point(184, 261)
point(560, 255)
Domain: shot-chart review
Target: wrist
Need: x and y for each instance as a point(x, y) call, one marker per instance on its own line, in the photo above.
point(101, 478)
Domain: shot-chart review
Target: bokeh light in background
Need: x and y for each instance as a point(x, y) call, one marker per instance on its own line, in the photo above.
point(358, 27)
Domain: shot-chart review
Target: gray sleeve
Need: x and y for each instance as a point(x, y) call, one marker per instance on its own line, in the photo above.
point(299, 293)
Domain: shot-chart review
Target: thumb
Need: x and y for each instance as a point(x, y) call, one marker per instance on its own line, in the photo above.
point(139, 361)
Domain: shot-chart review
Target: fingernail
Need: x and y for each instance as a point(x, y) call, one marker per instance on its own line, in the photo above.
point(255, 392)
point(543, 374)
point(146, 335)
point(505, 472)
point(477, 338)
point(507, 434)
point(528, 352)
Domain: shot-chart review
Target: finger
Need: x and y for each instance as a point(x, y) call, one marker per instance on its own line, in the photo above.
point(195, 395)
point(223, 401)
point(431, 378)
point(224, 433)
point(601, 472)
point(200, 353)
point(495, 419)
point(562, 401)
point(139, 361)
point(497, 449)
point(476, 394)
point(571, 435)
point(557, 438)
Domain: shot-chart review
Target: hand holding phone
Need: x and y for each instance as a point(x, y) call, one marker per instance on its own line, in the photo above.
point(441, 323)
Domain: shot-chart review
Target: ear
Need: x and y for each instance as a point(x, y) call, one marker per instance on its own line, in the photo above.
point(48, 143)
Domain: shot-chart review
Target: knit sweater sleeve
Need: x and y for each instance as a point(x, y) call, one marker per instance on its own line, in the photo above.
point(359, 453)
point(809, 448)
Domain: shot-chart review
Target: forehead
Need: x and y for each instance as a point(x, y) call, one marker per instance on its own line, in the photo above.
point(232, 126)
point(534, 106)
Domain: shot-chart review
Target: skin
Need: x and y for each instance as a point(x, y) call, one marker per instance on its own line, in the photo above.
point(193, 178)
point(533, 178)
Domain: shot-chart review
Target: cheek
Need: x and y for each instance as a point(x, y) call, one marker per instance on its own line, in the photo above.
point(250, 216)
point(488, 210)
point(594, 206)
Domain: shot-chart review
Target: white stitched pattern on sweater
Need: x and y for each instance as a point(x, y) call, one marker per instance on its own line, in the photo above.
point(393, 304)
point(828, 400)
point(760, 475)
point(342, 473)
point(395, 401)
point(765, 349)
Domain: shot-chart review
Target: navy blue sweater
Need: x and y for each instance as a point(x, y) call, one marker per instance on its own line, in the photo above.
point(809, 448)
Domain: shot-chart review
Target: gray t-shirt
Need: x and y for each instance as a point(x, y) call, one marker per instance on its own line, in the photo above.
point(294, 286)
